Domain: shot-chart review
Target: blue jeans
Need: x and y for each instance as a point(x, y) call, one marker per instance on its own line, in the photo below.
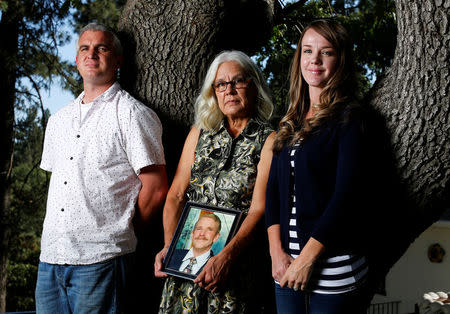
point(299, 302)
point(95, 288)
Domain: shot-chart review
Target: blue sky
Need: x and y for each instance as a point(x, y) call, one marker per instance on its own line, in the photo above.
point(57, 97)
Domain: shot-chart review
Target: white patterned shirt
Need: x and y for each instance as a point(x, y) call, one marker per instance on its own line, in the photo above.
point(95, 163)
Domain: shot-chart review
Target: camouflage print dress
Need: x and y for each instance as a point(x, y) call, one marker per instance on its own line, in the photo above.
point(224, 174)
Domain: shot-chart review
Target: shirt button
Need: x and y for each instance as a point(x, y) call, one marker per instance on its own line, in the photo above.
point(71, 158)
point(78, 135)
point(65, 182)
point(62, 209)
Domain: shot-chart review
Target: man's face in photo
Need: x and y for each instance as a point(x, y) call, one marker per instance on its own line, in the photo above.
point(205, 233)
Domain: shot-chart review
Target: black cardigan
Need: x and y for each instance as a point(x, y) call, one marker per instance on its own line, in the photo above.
point(330, 168)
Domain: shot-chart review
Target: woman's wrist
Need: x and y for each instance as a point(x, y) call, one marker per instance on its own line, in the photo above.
point(276, 249)
point(230, 251)
point(311, 252)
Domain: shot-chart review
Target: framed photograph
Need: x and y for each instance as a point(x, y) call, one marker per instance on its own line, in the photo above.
point(202, 232)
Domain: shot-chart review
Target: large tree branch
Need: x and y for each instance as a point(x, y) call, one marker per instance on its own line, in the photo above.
point(41, 103)
point(284, 11)
point(288, 9)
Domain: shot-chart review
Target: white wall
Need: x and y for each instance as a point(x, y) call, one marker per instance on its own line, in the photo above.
point(414, 274)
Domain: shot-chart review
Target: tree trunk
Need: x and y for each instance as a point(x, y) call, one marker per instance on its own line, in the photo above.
point(8, 56)
point(413, 97)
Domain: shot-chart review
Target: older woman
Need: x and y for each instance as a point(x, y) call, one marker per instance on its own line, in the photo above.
point(225, 162)
point(315, 205)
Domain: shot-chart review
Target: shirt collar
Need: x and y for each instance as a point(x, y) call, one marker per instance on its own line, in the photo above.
point(188, 255)
point(103, 97)
point(249, 130)
point(200, 259)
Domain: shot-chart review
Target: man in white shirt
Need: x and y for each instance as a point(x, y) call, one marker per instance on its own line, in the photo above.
point(105, 153)
point(205, 233)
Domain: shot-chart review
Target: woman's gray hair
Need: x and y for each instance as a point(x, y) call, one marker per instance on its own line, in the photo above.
point(208, 115)
point(117, 46)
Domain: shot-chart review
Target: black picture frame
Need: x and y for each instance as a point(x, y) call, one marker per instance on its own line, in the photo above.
point(182, 239)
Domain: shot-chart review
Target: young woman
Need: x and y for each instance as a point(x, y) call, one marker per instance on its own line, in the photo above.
point(314, 201)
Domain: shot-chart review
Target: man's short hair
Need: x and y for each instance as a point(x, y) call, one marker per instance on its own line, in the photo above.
point(117, 45)
point(212, 216)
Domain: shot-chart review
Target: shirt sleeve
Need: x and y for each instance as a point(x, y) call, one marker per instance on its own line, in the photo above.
point(143, 138)
point(342, 210)
point(272, 212)
point(48, 152)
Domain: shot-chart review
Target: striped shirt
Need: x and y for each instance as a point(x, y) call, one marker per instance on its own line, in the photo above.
point(331, 274)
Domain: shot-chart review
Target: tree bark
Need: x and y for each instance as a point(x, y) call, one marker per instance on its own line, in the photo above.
point(413, 99)
point(413, 96)
point(9, 33)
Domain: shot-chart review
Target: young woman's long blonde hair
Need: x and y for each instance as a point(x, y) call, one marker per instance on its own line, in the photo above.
point(338, 93)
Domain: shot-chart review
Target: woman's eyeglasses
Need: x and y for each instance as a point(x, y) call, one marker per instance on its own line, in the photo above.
point(237, 83)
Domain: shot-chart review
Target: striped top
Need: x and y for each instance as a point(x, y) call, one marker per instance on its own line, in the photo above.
point(331, 274)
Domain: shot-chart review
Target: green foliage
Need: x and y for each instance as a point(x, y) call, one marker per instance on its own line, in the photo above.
point(35, 28)
point(370, 23)
point(21, 279)
point(106, 12)
point(27, 209)
point(3, 5)
point(373, 28)
point(40, 36)
point(42, 30)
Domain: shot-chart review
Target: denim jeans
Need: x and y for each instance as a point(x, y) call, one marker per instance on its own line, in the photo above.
point(95, 288)
point(299, 302)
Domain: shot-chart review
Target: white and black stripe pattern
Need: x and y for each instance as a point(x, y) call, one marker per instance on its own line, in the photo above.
point(338, 274)
point(294, 241)
point(331, 275)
